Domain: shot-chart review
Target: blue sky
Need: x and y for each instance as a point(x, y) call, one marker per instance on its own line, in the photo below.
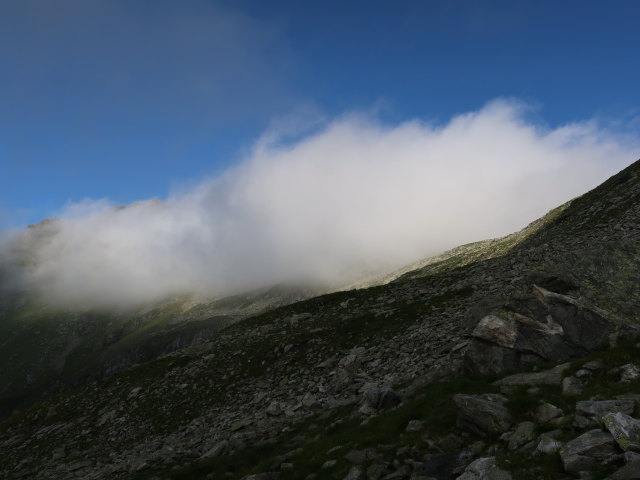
point(128, 100)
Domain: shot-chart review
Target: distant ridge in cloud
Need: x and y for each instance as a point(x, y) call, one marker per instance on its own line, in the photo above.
point(355, 197)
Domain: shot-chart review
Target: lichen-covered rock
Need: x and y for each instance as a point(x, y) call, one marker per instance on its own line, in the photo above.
point(589, 413)
point(587, 450)
point(624, 428)
point(482, 414)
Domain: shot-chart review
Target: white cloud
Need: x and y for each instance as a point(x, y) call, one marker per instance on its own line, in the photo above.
point(357, 196)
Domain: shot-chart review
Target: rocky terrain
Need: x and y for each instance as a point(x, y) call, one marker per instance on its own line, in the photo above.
point(512, 358)
point(46, 350)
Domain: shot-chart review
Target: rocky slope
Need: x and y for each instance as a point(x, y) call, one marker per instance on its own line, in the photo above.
point(46, 350)
point(394, 381)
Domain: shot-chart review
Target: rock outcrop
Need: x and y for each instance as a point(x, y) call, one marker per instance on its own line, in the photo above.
point(540, 326)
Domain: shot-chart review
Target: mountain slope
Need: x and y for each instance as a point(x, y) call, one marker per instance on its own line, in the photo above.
point(268, 379)
point(46, 350)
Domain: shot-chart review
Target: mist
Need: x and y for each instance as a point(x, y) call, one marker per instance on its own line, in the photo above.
point(352, 198)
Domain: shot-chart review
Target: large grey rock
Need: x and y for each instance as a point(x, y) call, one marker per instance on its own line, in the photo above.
point(484, 469)
point(482, 414)
point(541, 326)
point(587, 450)
point(501, 330)
point(500, 340)
point(524, 433)
point(624, 428)
point(589, 413)
point(547, 377)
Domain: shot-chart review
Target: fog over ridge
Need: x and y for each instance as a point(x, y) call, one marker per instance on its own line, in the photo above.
point(358, 196)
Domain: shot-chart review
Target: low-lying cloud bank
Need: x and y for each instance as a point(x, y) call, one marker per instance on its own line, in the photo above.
point(356, 197)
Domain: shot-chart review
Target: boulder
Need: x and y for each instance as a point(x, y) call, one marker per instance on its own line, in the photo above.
point(524, 433)
point(587, 450)
point(484, 469)
point(539, 326)
point(547, 412)
point(589, 413)
point(501, 330)
point(624, 428)
point(482, 414)
point(547, 377)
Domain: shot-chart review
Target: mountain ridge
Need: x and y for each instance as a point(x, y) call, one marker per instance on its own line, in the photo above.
point(263, 376)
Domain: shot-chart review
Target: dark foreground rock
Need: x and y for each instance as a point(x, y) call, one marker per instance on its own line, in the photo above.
point(482, 414)
point(587, 450)
point(540, 326)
